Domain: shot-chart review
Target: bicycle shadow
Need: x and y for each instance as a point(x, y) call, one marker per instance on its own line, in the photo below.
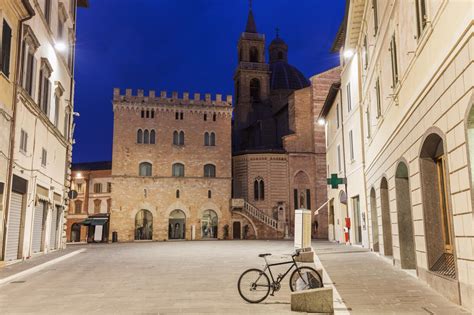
point(274, 303)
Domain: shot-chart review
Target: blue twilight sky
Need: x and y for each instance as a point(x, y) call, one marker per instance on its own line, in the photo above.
point(182, 45)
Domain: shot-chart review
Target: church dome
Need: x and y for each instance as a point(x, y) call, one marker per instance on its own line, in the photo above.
point(286, 77)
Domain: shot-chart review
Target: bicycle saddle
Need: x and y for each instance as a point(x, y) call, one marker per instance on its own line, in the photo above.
point(263, 255)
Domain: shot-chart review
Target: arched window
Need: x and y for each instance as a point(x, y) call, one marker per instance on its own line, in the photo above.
point(152, 137)
point(145, 169)
point(214, 117)
point(253, 54)
point(143, 113)
point(206, 139)
point(146, 136)
point(255, 89)
point(177, 193)
point(209, 170)
point(280, 55)
point(212, 140)
point(78, 207)
point(209, 194)
point(147, 114)
point(259, 189)
point(139, 136)
point(178, 138)
point(178, 170)
point(237, 91)
point(152, 113)
point(209, 224)
point(144, 225)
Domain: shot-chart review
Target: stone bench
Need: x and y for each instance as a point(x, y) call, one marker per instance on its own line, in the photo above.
point(313, 301)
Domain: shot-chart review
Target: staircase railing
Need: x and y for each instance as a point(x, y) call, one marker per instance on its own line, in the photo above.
point(256, 213)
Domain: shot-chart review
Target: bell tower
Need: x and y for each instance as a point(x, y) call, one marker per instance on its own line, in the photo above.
point(251, 77)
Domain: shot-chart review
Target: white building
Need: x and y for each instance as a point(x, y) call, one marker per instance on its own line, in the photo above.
point(413, 61)
point(42, 143)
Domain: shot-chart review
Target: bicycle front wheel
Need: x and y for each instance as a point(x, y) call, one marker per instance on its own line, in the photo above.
point(254, 285)
point(304, 278)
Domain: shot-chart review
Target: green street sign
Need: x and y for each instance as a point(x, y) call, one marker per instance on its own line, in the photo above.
point(335, 181)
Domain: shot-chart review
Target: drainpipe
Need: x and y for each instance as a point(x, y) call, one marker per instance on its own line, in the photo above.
point(16, 77)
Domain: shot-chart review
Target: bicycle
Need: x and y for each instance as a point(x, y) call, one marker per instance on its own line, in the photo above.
point(254, 284)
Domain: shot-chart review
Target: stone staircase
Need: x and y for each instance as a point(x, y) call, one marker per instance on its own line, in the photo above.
point(256, 214)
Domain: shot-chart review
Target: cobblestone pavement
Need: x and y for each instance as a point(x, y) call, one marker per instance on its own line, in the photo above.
point(369, 285)
point(148, 278)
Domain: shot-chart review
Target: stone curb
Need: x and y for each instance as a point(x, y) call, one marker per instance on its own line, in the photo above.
point(39, 267)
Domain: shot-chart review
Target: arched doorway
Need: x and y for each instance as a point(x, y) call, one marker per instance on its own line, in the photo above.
point(374, 220)
point(177, 225)
point(405, 220)
point(386, 222)
point(143, 225)
point(209, 224)
point(437, 215)
point(76, 232)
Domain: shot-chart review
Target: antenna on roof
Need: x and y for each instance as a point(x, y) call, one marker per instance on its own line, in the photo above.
point(250, 4)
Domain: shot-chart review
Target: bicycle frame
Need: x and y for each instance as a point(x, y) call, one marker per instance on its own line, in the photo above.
point(280, 277)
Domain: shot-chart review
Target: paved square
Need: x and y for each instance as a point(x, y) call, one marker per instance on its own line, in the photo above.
point(148, 278)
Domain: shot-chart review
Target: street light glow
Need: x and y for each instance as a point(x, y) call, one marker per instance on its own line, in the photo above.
point(321, 121)
point(60, 46)
point(348, 53)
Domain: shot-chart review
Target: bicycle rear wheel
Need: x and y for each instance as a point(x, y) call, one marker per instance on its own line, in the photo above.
point(254, 285)
point(304, 278)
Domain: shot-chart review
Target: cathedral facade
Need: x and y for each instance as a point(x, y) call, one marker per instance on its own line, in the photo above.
point(278, 149)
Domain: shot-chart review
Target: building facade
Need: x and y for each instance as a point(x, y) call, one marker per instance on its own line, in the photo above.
point(41, 141)
point(410, 69)
point(11, 13)
point(171, 166)
point(89, 211)
point(278, 149)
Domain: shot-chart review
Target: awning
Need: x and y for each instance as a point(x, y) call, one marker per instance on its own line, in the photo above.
point(94, 221)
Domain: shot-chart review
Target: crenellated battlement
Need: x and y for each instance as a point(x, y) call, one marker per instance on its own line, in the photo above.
point(164, 98)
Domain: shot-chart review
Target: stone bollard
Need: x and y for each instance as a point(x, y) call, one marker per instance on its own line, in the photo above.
point(313, 301)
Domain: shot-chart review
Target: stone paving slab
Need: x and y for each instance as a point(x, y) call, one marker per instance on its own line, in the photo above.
point(16, 267)
point(149, 278)
point(369, 285)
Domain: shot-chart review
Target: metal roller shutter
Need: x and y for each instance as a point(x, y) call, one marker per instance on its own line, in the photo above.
point(38, 227)
point(14, 222)
point(54, 228)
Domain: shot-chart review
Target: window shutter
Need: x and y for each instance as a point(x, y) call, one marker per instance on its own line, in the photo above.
point(33, 76)
point(6, 46)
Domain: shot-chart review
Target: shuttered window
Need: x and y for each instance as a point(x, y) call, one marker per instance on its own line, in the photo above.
point(6, 48)
point(393, 55)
